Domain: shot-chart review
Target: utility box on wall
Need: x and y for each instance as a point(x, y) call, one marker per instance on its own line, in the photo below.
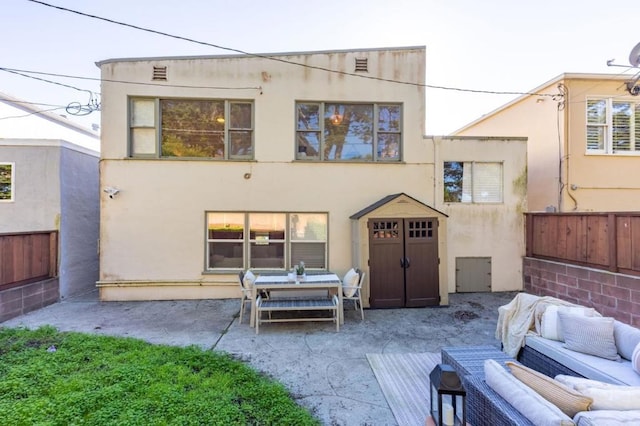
point(473, 274)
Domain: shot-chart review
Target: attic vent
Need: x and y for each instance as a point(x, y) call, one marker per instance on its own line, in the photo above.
point(160, 73)
point(361, 64)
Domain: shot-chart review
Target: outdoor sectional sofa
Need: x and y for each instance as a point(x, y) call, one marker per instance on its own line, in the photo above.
point(610, 396)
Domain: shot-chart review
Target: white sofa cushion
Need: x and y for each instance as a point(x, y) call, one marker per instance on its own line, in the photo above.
point(635, 359)
point(524, 399)
point(589, 366)
point(626, 337)
point(607, 417)
point(589, 335)
point(249, 279)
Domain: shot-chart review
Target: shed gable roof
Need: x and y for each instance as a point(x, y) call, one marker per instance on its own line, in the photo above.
point(387, 200)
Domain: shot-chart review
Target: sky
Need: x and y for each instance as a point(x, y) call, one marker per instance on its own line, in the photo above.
point(489, 45)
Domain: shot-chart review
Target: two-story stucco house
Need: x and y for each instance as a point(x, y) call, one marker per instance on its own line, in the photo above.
point(584, 142)
point(217, 164)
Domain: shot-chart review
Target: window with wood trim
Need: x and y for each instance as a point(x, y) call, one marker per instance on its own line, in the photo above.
point(272, 241)
point(328, 131)
point(191, 128)
point(7, 181)
point(613, 126)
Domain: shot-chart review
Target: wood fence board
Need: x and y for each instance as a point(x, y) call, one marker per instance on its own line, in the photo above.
point(623, 241)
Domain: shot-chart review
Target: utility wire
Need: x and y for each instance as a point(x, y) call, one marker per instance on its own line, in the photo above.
point(271, 58)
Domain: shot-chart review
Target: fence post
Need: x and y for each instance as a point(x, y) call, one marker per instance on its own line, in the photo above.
point(53, 254)
point(528, 229)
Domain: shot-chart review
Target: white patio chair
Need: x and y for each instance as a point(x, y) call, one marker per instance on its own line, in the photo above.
point(245, 292)
point(352, 289)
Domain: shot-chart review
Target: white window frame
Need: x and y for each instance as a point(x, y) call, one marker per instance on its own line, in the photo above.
point(376, 132)
point(156, 126)
point(12, 183)
point(247, 241)
point(468, 181)
point(608, 127)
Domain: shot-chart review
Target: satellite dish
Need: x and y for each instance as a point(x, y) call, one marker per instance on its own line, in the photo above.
point(634, 56)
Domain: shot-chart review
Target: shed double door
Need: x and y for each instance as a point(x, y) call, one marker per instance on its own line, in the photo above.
point(403, 263)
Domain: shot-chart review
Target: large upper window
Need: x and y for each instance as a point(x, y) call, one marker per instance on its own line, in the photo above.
point(354, 132)
point(472, 182)
point(216, 129)
point(7, 178)
point(266, 240)
point(613, 126)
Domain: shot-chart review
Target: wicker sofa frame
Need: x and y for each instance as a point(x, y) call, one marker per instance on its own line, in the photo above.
point(542, 363)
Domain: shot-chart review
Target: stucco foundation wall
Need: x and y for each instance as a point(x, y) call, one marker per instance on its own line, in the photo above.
point(29, 297)
point(614, 295)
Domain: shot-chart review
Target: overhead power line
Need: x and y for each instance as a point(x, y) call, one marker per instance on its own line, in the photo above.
point(276, 59)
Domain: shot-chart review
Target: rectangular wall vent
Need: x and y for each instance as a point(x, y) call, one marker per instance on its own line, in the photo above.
point(160, 73)
point(361, 65)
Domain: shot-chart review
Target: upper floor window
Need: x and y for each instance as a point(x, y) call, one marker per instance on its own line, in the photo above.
point(613, 126)
point(353, 132)
point(192, 128)
point(472, 182)
point(7, 178)
point(237, 240)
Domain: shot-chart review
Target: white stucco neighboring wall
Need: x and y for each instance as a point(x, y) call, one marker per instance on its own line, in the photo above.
point(487, 230)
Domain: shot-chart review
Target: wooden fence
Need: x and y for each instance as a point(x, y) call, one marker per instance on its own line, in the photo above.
point(609, 241)
point(27, 257)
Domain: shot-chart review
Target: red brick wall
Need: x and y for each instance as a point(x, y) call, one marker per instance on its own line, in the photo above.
point(613, 295)
point(29, 297)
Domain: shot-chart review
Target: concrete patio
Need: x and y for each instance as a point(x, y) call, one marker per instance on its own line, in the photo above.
point(325, 371)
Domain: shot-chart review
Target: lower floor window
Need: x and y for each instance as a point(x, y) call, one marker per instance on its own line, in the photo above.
point(472, 182)
point(6, 181)
point(239, 240)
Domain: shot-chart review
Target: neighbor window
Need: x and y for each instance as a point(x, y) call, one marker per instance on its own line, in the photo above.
point(357, 132)
point(7, 179)
point(613, 126)
point(278, 241)
point(192, 128)
point(472, 182)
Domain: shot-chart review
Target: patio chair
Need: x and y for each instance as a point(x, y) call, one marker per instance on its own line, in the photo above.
point(245, 291)
point(352, 289)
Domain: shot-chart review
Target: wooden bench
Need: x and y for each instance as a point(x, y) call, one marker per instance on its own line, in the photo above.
point(297, 304)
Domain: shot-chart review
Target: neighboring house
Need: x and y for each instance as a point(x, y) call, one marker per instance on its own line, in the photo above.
point(48, 185)
point(212, 165)
point(584, 142)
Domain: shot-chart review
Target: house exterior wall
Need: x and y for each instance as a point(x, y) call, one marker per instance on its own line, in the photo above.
point(36, 205)
point(486, 230)
point(556, 129)
point(152, 243)
point(79, 226)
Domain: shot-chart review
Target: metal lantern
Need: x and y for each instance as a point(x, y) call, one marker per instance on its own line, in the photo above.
point(448, 405)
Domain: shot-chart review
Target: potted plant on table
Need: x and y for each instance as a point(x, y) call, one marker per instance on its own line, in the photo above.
point(300, 270)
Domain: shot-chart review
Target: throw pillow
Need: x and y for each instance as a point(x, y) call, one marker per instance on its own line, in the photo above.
point(613, 397)
point(635, 359)
point(550, 324)
point(350, 282)
point(562, 396)
point(626, 337)
point(589, 335)
point(248, 280)
point(524, 399)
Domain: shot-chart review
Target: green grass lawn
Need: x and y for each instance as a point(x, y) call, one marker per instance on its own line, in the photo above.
point(53, 378)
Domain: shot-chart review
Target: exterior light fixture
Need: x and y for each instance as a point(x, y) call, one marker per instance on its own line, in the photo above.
point(448, 397)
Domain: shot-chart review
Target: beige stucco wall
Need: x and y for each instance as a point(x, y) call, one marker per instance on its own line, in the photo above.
point(535, 118)
point(487, 230)
point(556, 129)
point(153, 231)
point(604, 182)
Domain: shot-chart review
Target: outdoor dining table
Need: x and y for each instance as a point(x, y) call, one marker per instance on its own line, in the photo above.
point(269, 283)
